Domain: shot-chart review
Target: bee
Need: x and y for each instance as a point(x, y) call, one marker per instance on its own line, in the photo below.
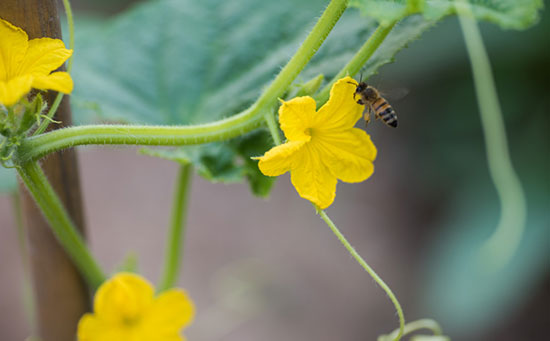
point(374, 103)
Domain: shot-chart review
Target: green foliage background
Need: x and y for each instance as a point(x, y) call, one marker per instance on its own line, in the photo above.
point(509, 14)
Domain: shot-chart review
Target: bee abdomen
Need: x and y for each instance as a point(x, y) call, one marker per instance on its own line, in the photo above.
point(389, 117)
point(379, 104)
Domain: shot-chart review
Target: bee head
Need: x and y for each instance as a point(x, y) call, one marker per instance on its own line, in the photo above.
point(368, 92)
point(361, 87)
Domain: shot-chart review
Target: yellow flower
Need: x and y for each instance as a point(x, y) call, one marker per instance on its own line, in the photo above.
point(322, 146)
point(27, 64)
point(125, 309)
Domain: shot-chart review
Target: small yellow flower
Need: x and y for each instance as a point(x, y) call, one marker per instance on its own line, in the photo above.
point(322, 146)
point(27, 64)
point(125, 309)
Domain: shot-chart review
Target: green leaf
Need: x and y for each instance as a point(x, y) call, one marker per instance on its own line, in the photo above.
point(255, 144)
point(388, 11)
point(509, 14)
point(183, 61)
point(8, 180)
point(186, 62)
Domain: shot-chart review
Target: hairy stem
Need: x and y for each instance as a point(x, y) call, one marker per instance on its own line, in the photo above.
point(60, 222)
point(38, 146)
point(369, 270)
point(318, 34)
point(176, 235)
point(358, 60)
point(503, 243)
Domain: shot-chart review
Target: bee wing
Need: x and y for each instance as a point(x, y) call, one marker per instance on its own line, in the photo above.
point(395, 94)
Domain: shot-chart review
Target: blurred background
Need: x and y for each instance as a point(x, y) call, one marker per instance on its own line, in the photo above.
point(272, 270)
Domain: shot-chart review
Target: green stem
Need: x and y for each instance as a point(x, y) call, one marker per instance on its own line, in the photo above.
point(59, 97)
point(28, 301)
point(273, 127)
point(369, 270)
point(318, 34)
point(18, 215)
point(38, 146)
point(70, 22)
point(60, 222)
point(414, 326)
point(176, 238)
point(358, 61)
point(503, 243)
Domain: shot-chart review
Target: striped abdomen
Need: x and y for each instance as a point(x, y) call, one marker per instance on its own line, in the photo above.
point(385, 112)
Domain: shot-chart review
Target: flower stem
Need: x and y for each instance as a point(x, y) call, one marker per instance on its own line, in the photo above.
point(413, 326)
point(358, 61)
point(38, 146)
point(368, 269)
point(273, 127)
point(60, 222)
point(70, 21)
point(503, 243)
point(176, 234)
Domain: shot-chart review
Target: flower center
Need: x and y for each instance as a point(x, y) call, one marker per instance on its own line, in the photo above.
point(308, 131)
point(130, 321)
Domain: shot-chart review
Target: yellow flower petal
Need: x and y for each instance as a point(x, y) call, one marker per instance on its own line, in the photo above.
point(58, 81)
point(123, 297)
point(13, 46)
point(313, 180)
point(172, 309)
point(279, 159)
point(341, 111)
point(126, 310)
point(15, 88)
point(295, 116)
point(43, 56)
point(91, 328)
point(348, 155)
point(169, 314)
point(22, 61)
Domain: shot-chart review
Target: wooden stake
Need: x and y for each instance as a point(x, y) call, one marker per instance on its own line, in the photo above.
point(60, 292)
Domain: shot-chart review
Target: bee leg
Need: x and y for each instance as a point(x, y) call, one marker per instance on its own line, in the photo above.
point(366, 114)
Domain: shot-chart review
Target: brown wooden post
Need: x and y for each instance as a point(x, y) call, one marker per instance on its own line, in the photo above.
point(60, 292)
